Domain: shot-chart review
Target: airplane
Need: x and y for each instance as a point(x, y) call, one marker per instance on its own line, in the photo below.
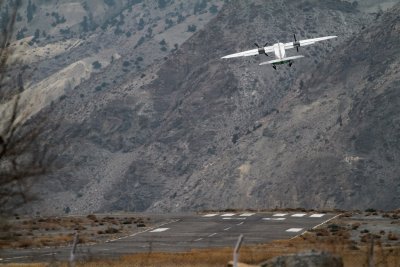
point(279, 50)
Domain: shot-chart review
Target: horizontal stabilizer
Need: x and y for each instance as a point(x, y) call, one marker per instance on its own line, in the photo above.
point(282, 60)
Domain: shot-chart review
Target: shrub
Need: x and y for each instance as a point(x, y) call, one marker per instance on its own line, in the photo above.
point(392, 236)
point(109, 2)
point(96, 65)
point(192, 28)
point(111, 230)
point(213, 9)
point(91, 217)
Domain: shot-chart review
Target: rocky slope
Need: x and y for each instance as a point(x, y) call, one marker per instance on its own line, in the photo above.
point(196, 132)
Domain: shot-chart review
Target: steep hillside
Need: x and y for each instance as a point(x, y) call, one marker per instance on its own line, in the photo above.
point(334, 142)
point(197, 132)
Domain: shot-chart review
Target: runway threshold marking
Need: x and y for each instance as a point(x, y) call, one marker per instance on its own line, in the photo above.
point(299, 215)
point(210, 215)
point(280, 214)
point(198, 239)
point(212, 235)
point(246, 214)
point(158, 230)
point(228, 215)
point(294, 230)
point(240, 223)
point(317, 215)
point(274, 219)
point(226, 229)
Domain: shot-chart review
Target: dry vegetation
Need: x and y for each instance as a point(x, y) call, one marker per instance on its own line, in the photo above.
point(59, 231)
point(384, 256)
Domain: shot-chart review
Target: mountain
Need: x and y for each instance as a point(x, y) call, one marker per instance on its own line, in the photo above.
point(191, 131)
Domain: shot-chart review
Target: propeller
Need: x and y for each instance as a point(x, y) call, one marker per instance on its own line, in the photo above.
point(296, 43)
point(261, 50)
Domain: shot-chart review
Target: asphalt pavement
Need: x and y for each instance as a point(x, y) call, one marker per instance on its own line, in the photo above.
point(184, 232)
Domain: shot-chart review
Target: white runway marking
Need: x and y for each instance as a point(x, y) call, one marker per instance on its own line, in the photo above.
point(280, 214)
point(317, 215)
point(158, 230)
point(198, 239)
point(228, 214)
point(246, 214)
point(212, 235)
point(274, 219)
point(229, 218)
point(210, 215)
point(240, 223)
point(14, 258)
point(299, 215)
point(226, 229)
point(294, 230)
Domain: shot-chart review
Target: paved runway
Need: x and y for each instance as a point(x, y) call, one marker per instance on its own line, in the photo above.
point(189, 231)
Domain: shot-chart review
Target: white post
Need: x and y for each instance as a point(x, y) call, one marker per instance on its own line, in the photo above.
point(73, 249)
point(236, 251)
point(371, 252)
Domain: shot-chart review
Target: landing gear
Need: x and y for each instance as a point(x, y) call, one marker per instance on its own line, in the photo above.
point(290, 63)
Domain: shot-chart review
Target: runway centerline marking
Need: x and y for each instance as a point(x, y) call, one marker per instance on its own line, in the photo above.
point(226, 229)
point(240, 223)
point(317, 215)
point(229, 218)
point(280, 214)
point(198, 239)
point(294, 230)
point(158, 230)
point(210, 215)
point(212, 235)
point(246, 214)
point(299, 215)
point(228, 215)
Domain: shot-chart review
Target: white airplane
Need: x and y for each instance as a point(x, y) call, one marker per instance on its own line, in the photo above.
point(279, 50)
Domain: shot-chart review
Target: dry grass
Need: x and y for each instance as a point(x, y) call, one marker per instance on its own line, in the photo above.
point(387, 257)
point(353, 256)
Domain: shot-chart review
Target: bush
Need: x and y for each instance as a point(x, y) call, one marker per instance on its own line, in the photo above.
point(192, 28)
point(163, 3)
point(111, 230)
point(213, 9)
point(109, 2)
point(91, 217)
point(96, 65)
point(392, 236)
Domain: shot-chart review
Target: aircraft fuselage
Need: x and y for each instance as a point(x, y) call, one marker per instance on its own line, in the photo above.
point(279, 50)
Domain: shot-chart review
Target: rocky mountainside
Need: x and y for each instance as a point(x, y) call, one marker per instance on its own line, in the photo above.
point(192, 131)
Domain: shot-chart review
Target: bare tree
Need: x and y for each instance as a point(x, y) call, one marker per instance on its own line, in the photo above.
point(22, 156)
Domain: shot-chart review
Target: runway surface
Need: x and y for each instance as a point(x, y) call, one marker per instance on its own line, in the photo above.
point(185, 232)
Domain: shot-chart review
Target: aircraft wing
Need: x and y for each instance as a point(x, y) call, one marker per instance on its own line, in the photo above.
point(253, 52)
point(308, 42)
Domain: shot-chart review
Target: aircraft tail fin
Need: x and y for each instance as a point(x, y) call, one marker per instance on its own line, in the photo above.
point(281, 61)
